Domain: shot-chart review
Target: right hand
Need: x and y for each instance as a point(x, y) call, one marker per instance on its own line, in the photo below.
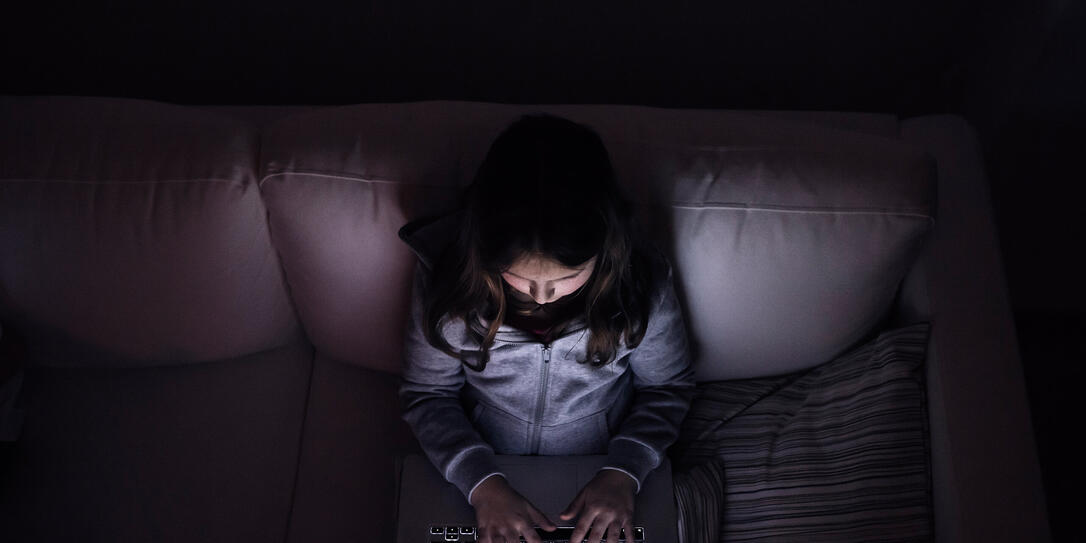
point(502, 515)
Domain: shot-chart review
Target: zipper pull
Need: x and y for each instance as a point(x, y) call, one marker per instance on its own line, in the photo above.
point(546, 354)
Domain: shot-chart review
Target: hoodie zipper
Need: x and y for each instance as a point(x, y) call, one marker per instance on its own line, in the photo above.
point(542, 398)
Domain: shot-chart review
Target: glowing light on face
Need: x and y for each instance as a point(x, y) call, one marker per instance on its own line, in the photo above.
point(546, 280)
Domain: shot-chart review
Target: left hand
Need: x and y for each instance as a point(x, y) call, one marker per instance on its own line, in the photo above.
point(605, 504)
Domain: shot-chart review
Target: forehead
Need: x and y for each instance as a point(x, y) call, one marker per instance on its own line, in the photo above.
point(539, 267)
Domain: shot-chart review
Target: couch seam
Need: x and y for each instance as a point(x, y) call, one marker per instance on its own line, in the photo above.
point(350, 177)
point(790, 209)
point(47, 180)
point(301, 443)
point(258, 181)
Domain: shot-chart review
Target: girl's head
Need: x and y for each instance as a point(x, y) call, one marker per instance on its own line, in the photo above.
point(545, 216)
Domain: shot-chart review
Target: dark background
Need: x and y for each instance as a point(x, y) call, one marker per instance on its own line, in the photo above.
point(1014, 68)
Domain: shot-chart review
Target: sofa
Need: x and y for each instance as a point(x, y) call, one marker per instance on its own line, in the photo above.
point(202, 307)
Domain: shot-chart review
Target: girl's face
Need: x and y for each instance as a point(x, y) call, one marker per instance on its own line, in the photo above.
point(546, 280)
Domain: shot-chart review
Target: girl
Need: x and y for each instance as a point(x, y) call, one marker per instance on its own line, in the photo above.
point(542, 322)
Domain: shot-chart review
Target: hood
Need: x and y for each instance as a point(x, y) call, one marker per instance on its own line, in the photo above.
point(429, 236)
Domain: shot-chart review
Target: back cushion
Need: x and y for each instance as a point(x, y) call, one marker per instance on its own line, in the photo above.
point(132, 233)
point(339, 182)
point(786, 254)
point(789, 238)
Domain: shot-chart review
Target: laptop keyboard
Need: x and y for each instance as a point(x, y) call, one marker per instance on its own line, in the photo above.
point(561, 535)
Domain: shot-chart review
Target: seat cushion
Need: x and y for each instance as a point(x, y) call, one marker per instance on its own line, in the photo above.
point(188, 452)
point(347, 474)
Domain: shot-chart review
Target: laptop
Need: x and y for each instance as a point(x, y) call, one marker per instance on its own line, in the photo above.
point(431, 509)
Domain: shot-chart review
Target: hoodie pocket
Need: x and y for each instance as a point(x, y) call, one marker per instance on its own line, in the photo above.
point(504, 432)
point(586, 435)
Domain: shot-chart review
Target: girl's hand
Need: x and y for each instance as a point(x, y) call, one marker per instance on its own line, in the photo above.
point(502, 515)
point(606, 503)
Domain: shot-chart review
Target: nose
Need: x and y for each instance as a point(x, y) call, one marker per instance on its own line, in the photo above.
point(541, 298)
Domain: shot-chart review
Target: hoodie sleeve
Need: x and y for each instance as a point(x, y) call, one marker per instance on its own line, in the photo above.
point(430, 399)
point(663, 383)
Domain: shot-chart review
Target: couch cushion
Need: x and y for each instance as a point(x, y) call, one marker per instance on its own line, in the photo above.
point(339, 183)
point(787, 252)
point(134, 228)
point(346, 475)
point(189, 452)
point(835, 453)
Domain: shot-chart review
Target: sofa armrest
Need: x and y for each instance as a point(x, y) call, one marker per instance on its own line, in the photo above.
point(986, 477)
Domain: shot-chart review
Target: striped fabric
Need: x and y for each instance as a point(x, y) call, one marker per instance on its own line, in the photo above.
point(835, 453)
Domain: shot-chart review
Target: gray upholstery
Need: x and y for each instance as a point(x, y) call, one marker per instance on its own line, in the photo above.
point(154, 258)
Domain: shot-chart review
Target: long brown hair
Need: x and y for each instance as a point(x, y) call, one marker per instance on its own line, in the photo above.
point(546, 186)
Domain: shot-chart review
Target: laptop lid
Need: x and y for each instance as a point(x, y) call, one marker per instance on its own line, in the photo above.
point(550, 483)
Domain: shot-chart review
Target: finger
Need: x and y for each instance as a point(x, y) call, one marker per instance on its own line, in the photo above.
point(542, 520)
point(483, 534)
point(494, 535)
point(596, 535)
point(581, 530)
point(573, 508)
point(528, 533)
point(612, 532)
point(577, 535)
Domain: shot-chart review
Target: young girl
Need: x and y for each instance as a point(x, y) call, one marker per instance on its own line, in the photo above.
point(542, 322)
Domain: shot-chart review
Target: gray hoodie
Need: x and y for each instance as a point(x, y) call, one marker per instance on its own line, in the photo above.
point(534, 398)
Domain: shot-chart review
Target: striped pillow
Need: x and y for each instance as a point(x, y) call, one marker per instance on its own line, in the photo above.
point(835, 453)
